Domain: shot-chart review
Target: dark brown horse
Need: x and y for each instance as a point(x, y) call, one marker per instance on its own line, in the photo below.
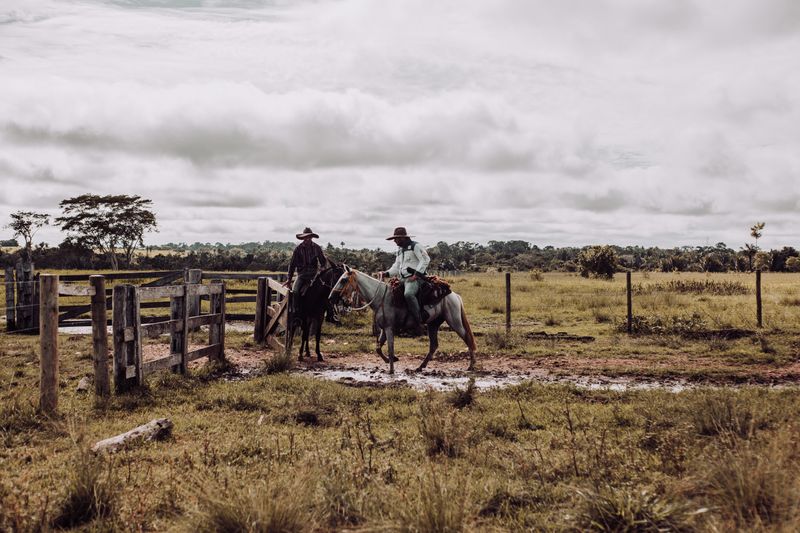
point(310, 308)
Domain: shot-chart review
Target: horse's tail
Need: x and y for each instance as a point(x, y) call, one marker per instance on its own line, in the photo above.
point(470, 338)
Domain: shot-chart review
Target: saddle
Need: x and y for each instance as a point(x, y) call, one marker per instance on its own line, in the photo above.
point(431, 291)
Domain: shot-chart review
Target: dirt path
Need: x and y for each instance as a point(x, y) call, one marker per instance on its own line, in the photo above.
point(447, 370)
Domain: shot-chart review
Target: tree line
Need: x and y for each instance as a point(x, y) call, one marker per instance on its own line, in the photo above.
point(107, 232)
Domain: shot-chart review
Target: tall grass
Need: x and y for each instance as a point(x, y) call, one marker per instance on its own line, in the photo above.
point(277, 504)
point(91, 491)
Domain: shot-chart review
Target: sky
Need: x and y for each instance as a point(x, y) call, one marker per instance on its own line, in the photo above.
point(651, 122)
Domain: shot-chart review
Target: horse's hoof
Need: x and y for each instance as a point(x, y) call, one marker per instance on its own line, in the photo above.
point(319, 358)
point(420, 368)
point(395, 359)
point(471, 368)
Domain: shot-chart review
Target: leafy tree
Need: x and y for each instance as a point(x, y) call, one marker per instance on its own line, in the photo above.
point(112, 224)
point(756, 231)
point(793, 264)
point(599, 261)
point(26, 224)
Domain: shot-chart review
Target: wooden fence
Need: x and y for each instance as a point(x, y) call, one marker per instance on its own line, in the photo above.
point(128, 332)
point(22, 297)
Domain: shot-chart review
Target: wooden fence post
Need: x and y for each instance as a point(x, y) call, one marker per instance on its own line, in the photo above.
point(508, 302)
point(48, 338)
point(177, 335)
point(27, 312)
point(262, 302)
point(102, 386)
point(759, 318)
point(193, 276)
point(127, 345)
point(629, 292)
point(9, 283)
point(216, 332)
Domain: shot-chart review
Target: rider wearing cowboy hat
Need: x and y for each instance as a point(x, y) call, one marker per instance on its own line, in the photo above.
point(412, 259)
point(307, 258)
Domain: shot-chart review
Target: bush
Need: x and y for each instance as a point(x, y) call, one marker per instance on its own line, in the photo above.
point(689, 286)
point(627, 511)
point(673, 325)
point(598, 261)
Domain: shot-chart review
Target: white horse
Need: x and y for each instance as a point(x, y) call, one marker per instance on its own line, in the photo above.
point(389, 318)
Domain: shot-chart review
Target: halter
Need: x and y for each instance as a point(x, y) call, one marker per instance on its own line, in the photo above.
point(355, 292)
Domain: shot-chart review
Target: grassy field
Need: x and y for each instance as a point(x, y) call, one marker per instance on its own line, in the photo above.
point(284, 452)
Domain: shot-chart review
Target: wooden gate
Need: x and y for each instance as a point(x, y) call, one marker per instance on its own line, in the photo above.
point(272, 318)
point(128, 331)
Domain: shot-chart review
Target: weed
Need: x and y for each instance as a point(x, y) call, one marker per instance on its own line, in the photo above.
point(442, 507)
point(500, 340)
point(688, 286)
point(91, 491)
point(754, 485)
point(626, 510)
point(461, 398)
point(262, 507)
point(441, 430)
point(280, 362)
point(536, 275)
point(673, 325)
point(723, 413)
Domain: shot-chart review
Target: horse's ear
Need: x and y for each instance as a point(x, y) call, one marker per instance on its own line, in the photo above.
point(346, 268)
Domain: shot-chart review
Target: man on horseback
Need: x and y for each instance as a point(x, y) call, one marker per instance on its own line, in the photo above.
point(412, 260)
point(307, 259)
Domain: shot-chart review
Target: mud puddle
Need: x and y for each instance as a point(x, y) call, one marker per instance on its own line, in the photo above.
point(441, 381)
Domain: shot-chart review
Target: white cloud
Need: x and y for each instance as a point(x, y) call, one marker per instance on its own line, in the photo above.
point(570, 122)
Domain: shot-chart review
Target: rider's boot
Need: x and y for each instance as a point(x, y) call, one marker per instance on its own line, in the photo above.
point(413, 307)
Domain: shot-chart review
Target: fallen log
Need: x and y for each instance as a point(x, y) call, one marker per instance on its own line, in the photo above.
point(156, 429)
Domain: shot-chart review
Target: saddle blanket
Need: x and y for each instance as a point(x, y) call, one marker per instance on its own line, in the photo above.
point(431, 291)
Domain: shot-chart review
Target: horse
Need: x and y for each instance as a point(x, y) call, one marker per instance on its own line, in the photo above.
point(314, 303)
point(390, 318)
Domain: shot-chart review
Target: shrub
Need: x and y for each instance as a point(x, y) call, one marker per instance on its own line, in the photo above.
point(674, 325)
point(624, 510)
point(598, 261)
point(91, 491)
point(500, 340)
point(689, 286)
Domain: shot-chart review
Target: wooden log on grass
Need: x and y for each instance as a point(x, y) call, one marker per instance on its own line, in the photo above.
point(156, 429)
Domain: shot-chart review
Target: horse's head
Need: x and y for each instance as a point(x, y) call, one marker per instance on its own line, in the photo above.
point(345, 285)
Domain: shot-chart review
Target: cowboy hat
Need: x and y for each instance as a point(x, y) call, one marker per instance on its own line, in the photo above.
point(307, 233)
point(399, 233)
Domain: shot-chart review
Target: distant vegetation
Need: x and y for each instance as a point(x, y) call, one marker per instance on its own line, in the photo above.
point(104, 232)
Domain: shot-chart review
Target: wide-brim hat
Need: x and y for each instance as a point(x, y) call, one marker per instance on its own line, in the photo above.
point(399, 233)
point(307, 233)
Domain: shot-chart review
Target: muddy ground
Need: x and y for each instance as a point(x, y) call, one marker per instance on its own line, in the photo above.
point(449, 369)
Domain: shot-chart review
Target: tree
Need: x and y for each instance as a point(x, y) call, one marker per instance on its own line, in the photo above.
point(112, 224)
point(599, 261)
point(756, 231)
point(26, 224)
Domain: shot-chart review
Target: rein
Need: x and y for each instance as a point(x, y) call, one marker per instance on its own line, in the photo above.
point(354, 291)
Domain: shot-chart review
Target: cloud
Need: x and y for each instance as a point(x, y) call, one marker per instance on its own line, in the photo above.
point(569, 122)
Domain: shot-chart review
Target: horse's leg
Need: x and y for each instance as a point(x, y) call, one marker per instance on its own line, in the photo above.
point(306, 331)
point(379, 346)
point(390, 342)
point(318, 333)
point(433, 337)
point(453, 309)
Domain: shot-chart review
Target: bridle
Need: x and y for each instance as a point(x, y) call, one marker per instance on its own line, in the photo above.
point(351, 290)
